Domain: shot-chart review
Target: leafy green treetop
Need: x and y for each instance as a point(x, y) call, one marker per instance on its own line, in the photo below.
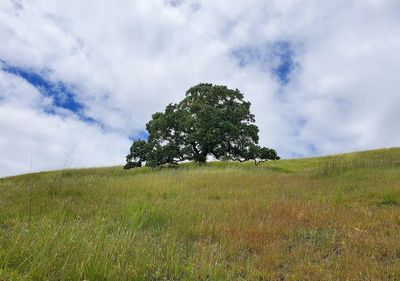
point(211, 120)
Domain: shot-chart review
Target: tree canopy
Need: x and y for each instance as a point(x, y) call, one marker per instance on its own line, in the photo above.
point(211, 120)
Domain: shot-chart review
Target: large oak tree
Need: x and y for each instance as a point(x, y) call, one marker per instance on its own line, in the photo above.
point(211, 120)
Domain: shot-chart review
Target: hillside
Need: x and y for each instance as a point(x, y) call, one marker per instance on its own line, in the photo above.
point(326, 218)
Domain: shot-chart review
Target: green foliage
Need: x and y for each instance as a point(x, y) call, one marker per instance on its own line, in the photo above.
point(211, 120)
point(258, 154)
point(389, 199)
point(137, 155)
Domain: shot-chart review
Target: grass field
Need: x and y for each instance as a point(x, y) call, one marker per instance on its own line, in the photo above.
point(328, 218)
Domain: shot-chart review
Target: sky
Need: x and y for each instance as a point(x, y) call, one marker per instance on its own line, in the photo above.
point(80, 79)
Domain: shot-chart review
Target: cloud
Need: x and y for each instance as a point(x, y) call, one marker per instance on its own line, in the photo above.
point(59, 94)
point(28, 131)
point(274, 58)
point(321, 75)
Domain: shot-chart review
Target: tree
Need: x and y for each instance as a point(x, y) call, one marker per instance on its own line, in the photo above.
point(211, 120)
point(138, 154)
point(261, 154)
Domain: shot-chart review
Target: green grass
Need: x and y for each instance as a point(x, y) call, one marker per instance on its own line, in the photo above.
point(325, 218)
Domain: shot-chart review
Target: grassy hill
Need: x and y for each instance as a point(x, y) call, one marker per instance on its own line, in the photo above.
point(328, 218)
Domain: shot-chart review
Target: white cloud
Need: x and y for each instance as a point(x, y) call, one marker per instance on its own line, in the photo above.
point(27, 131)
point(127, 59)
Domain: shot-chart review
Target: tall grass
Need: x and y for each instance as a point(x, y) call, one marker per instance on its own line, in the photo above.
point(341, 163)
point(328, 218)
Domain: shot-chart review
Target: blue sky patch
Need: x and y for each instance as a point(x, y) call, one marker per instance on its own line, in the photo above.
point(61, 94)
point(143, 135)
point(276, 58)
point(284, 53)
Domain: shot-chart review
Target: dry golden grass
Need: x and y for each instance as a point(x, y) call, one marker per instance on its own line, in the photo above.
point(329, 218)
